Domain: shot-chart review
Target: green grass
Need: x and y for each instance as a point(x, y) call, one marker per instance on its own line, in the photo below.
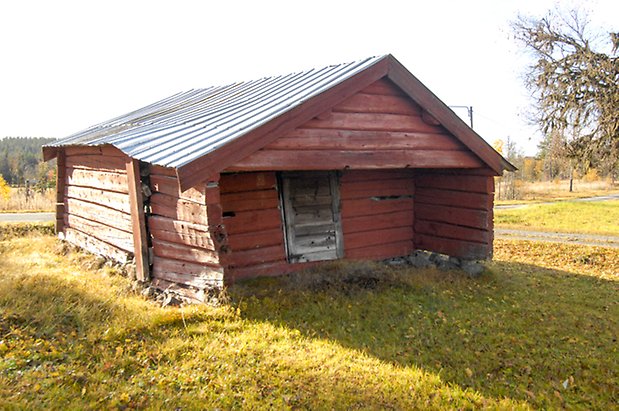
point(573, 217)
point(348, 336)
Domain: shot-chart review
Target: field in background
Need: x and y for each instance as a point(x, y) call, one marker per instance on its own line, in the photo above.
point(33, 201)
point(539, 329)
point(570, 217)
point(525, 192)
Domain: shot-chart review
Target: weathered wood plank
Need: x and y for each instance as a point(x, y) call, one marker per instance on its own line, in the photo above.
point(370, 207)
point(243, 182)
point(255, 256)
point(162, 171)
point(453, 198)
point(326, 139)
point(455, 248)
point(474, 184)
point(385, 87)
point(453, 215)
point(361, 159)
point(169, 186)
point(105, 150)
point(178, 209)
point(183, 252)
point(252, 221)
point(189, 292)
point(377, 188)
point(111, 199)
point(60, 189)
point(374, 103)
point(249, 200)
point(374, 122)
point(378, 237)
point(94, 245)
point(110, 235)
point(370, 223)
point(96, 212)
point(181, 232)
point(255, 239)
point(113, 164)
point(138, 220)
point(182, 272)
point(381, 251)
point(98, 179)
point(349, 176)
point(455, 232)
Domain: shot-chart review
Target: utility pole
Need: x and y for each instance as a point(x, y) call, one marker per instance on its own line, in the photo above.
point(469, 110)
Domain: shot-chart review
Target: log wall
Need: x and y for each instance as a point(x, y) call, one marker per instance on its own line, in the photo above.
point(252, 218)
point(185, 246)
point(379, 127)
point(453, 213)
point(95, 201)
point(377, 213)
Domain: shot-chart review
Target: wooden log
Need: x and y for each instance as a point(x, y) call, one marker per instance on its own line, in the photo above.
point(113, 164)
point(104, 150)
point(110, 199)
point(243, 182)
point(98, 179)
point(455, 248)
point(371, 223)
point(181, 232)
point(377, 188)
point(375, 103)
point(326, 139)
point(456, 232)
point(252, 221)
point(176, 251)
point(162, 171)
point(96, 212)
point(61, 179)
point(255, 239)
point(178, 209)
point(169, 186)
point(138, 221)
point(374, 122)
point(370, 207)
point(384, 87)
point(377, 237)
point(453, 215)
point(111, 235)
point(474, 184)
point(381, 251)
point(361, 159)
point(94, 245)
point(186, 273)
point(349, 176)
point(453, 198)
point(252, 200)
point(243, 258)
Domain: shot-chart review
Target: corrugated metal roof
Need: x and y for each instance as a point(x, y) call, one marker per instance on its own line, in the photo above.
point(181, 128)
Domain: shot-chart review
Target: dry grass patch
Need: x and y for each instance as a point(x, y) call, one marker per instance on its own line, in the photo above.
point(374, 337)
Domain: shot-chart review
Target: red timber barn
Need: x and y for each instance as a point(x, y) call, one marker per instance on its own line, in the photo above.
point(351, 161)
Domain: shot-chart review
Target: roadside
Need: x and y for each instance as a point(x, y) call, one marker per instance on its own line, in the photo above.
point(27, 217)
point(584, 199)
point(564, 238)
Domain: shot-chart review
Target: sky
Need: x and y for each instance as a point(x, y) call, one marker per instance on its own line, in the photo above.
point(67, 65)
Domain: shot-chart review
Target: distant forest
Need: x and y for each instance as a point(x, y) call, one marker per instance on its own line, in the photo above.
point(21, 161)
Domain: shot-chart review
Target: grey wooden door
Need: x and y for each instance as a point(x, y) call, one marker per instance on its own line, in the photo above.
point(311, 205)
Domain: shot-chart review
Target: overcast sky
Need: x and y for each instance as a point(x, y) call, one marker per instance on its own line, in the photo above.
point(66, 65)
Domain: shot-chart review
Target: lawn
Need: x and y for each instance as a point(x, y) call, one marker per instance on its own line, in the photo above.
point(573, 217)
point(537, 329)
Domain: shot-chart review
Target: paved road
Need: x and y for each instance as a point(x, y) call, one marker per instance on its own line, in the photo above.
point(586, 199)
point(27, 217)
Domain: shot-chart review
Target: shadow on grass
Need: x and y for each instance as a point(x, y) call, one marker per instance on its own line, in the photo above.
point(518, 331)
